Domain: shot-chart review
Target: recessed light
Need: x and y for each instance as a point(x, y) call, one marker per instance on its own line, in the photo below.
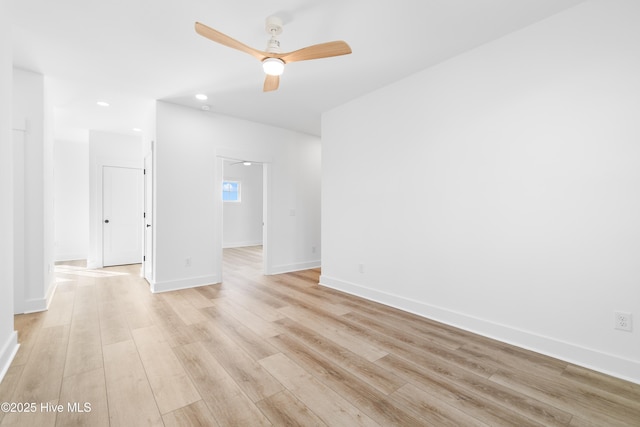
point(202, 97)
point(246, 163)
point(102, 103)
point(137, 130)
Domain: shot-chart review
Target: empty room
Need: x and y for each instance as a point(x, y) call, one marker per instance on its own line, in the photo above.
point(332, 213)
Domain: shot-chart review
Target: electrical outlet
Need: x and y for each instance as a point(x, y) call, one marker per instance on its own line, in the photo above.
point(313, 249)
point(187, 262)
point(361, 268)
point(623, 321)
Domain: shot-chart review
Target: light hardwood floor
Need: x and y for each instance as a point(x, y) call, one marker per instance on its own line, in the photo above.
point(280, 350)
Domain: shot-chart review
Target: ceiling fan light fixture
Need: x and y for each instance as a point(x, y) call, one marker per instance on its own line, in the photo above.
point(273, 59)
point(273, 66)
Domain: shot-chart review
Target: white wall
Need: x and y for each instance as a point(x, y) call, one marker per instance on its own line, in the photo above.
point(500, 190)
point(242, 222)
point(8, 337)
point(71, 191)
point(188, 207)
point(31, 117)
point(106, 149)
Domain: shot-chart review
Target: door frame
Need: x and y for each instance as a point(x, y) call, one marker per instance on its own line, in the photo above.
point(148, 232)
point(18, 145)
point(267, 166)
point(96, 247)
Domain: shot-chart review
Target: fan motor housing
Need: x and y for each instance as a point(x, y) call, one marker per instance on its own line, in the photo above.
point(273, 45)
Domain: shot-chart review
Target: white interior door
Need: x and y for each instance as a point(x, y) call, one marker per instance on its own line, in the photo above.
point(122, 215)
point(148, 218)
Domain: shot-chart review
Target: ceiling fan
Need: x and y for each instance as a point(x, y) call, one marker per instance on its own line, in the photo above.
point(273, 60)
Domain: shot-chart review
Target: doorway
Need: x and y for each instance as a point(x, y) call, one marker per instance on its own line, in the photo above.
point(122, 215)
point(243, 215)
point(265, 165)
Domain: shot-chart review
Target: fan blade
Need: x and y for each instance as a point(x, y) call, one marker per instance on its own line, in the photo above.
point(317, 51)
point(225, 40)
point(271, 83)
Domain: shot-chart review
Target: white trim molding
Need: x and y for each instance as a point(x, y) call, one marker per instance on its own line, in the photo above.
point(8, 352)
point(290, 268)
point(193, 282)
point(35, 305)
point(241, 244)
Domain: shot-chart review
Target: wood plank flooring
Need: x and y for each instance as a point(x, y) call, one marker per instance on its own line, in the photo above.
point(279, 350)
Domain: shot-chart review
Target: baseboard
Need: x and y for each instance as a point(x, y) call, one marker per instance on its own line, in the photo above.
point(94, 265)
point(241, 244)
point(289, 268)
point(70, 257)
point(50, 293)
point(192, 282)
point(616, 366)
point(7, 353)
point(35, 305)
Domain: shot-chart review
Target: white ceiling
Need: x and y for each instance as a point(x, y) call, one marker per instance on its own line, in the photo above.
point(131, 52)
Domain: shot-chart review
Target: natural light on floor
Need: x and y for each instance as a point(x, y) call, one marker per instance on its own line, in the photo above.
point(80, 271)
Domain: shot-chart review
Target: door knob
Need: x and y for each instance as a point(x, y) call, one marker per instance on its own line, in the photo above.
point(106, 221)
point(148, 225)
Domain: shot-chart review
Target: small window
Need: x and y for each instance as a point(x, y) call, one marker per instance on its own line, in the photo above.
point(230, 191)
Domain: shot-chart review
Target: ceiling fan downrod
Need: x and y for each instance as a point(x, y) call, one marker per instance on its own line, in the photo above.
point(273, 27)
